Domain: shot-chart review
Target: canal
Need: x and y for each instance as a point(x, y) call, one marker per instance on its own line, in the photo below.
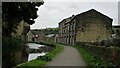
point(36, 50)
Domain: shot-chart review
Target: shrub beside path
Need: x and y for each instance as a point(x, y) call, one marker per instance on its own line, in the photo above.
point(70, 56)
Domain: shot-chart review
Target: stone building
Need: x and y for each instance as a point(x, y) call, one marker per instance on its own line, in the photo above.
point(50, 37)
point(29, 36)
point(56, 38)
point(22, 30)
point(89, 26)
point(38, 36)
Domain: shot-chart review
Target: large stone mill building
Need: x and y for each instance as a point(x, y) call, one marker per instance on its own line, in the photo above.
point(88, 26)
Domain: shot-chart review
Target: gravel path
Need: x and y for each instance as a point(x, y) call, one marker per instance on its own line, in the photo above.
point(69, 57)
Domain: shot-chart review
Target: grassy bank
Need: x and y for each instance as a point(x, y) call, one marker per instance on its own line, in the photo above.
point(37, 63)
point(91, 61)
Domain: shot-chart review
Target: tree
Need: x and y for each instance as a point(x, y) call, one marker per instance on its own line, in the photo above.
point(14, 12)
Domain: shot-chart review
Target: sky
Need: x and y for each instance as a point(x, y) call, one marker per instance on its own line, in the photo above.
point(54, 11)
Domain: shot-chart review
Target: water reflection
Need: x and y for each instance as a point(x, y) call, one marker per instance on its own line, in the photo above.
point(35, 55)
point(35, 46)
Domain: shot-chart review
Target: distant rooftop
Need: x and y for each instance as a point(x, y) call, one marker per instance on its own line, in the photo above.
point(50, 35)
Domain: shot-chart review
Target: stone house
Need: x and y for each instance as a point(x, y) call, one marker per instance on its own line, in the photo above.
point(50, 37)
point(29, 36)
point(22, 30)
point(89, 26)
point(56, 39)
point(38, 36)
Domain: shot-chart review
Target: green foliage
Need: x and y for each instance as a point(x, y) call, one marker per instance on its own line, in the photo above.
point(11, 44)
point(115, 29)
point(9, 48)
point(57, 50)
point(92, 61)
point(14, 12)
point(47, 30)
point(32, 64)
point(45, 58)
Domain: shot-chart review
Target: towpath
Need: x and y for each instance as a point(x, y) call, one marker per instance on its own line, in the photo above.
point(70, 56)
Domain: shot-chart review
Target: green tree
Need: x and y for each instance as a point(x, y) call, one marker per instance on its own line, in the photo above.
point(14, 12)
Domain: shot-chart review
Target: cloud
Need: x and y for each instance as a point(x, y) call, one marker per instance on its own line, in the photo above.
point(51, 13)
point(81, 0)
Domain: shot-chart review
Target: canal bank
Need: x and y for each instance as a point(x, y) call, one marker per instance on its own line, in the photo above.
point(41, 62)
point(34, 50)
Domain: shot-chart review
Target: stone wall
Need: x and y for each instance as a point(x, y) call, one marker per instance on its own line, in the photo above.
point(109, 54)
point(29, 36)
point(93, 26)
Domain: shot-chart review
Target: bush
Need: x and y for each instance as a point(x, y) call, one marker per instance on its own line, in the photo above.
point(9, 48)
point(11, 45)
point(92, 61)
point(45, 58)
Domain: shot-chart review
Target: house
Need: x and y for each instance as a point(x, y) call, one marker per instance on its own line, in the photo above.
point(38, 36)
point(50, 37)
point(56, 38)
point(85, 27)
point(22, 30)
point(29, 36)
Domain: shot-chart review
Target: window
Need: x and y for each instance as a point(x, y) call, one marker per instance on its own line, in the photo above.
point(68, 28)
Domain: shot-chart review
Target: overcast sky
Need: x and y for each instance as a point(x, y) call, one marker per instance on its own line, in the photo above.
point(54, 11)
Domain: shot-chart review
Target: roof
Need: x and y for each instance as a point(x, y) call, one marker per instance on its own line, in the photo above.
point(72, 17)
point(67, 19)
point(91, 10)
point(50, 35)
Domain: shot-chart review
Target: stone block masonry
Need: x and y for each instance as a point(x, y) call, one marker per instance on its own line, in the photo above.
point(85, 27)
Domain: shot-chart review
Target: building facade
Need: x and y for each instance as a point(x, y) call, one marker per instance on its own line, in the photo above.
point(85, 27)
point(22, 30)
point(38, 36)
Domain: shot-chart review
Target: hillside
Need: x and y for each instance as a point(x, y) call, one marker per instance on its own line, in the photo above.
point(47, 30)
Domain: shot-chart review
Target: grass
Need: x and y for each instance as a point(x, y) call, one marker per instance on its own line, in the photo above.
point(91, 61)
point(40, 63)
point(32, 64)
point(56, 51)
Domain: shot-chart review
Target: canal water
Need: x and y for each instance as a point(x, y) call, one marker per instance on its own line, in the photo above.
point(33, 56)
